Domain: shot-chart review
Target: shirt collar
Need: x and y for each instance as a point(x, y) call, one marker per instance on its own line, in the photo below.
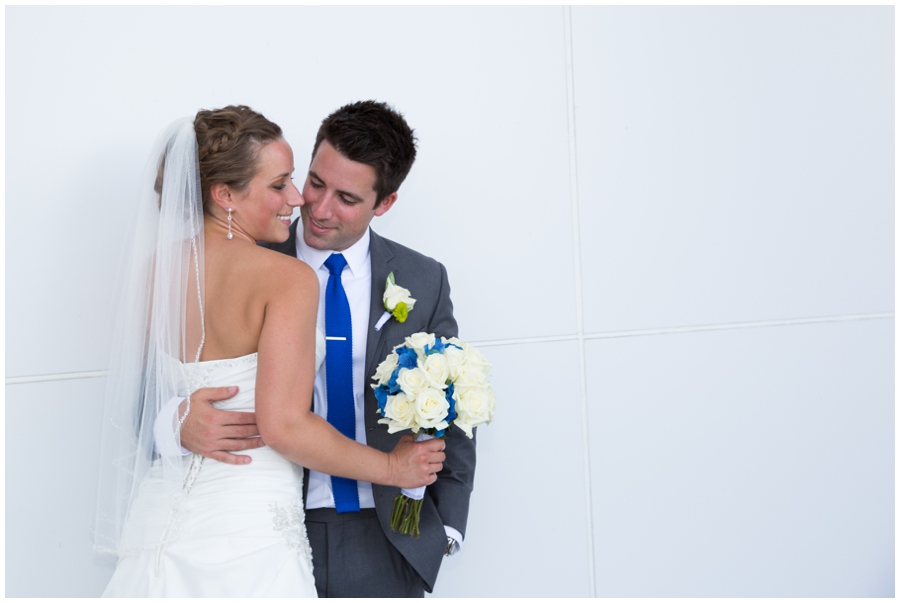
point(357, 255)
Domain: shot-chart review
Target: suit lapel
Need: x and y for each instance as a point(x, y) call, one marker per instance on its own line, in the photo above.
point(380, 257)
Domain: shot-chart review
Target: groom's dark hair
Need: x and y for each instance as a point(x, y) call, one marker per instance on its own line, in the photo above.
point(375, 134)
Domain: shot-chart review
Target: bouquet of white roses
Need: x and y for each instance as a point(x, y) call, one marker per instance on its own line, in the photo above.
point(427, 384)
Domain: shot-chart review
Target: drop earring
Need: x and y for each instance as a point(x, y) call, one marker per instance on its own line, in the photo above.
point(229, 235)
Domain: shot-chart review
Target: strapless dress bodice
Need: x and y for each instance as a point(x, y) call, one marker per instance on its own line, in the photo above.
point(239, 371)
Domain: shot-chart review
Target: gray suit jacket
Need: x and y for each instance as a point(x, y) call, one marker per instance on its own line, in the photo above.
point(447, 500)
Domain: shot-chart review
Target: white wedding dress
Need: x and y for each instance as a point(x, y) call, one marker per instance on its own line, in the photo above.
point(232, 531)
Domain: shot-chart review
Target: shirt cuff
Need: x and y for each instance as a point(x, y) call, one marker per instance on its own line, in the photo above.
point(455, 535)
point(164, 440)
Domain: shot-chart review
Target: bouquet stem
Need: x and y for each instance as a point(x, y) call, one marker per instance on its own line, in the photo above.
point(405, 515)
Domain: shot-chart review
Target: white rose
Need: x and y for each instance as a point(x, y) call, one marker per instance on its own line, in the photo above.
point(386, 369)
point(432, 408)
point(418, 341)
point(474, 407)
point(394, 294)
point(412, 381)
point(394, 426)
point(471, 375)
point(399, 413)
point(476, 358)
point(474, 370)
point(455, 358)
point(437, 369)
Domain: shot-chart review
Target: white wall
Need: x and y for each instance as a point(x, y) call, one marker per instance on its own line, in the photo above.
point(671, 228)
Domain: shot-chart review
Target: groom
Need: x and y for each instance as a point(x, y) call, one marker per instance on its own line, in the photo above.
point(362, 154)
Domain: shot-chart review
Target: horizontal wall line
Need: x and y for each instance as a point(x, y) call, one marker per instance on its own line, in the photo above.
point(548, 339)
point(55, 377)
point(741, 325)
point(554, 338)
point(689, 329)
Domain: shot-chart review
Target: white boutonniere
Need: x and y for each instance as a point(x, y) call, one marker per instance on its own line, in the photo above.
point(398, 302)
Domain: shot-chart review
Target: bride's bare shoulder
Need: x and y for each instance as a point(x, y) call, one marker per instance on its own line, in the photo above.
point(284, 274)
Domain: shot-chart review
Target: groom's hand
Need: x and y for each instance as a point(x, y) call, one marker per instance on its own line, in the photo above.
point(216, 433)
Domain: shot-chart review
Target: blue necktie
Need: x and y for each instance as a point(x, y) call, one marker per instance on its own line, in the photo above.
point(339, 374)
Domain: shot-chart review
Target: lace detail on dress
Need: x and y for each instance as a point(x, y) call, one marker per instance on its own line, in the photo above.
point(291, 523)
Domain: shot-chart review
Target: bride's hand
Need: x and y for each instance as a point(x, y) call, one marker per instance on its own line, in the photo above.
point(415, 464)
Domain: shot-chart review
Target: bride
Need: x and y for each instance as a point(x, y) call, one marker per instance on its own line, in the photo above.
point(204, 306)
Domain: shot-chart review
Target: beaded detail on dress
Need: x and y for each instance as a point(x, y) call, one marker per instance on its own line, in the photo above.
point(291, 523)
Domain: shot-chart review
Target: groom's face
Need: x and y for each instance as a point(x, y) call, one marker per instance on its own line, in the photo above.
point(340, 200)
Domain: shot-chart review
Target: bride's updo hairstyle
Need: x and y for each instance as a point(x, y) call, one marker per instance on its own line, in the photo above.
point(228, 144)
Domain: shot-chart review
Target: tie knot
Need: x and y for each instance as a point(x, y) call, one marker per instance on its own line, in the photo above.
point(335, 264)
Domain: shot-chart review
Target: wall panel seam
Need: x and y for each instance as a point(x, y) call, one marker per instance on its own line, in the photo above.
point(55, 377)
point(684, 329)
point(579, 297)
point(790, 322)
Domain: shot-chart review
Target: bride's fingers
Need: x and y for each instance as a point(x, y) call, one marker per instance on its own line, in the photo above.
point(435, 444)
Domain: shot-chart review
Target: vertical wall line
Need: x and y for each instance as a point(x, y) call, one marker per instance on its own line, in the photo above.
point(579, 306)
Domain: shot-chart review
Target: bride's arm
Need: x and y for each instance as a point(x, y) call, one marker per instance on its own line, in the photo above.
point(284, 390)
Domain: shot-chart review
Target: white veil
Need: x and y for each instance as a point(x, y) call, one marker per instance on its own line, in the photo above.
point(161, 282)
